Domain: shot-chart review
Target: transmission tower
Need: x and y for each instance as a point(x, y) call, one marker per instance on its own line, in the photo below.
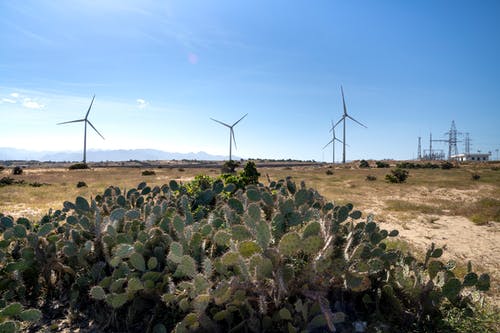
point(452, 139)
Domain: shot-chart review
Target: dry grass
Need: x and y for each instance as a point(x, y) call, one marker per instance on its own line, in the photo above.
point(427, 191)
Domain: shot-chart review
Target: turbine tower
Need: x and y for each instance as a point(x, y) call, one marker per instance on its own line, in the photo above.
point(86, 121)
point(231, 133)
point(332, 141)
point(344, 116)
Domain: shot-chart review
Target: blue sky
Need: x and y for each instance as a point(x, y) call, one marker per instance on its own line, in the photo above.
point(161, 69)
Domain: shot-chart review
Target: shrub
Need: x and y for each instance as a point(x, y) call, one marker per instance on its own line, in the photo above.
point(381, 164)
point(475, 176)
point(250, 173)
point(364, 164)
point(148, 173)
point(446, 165)
point(1, 168)
point(229, 166)
point(17, 170)
point(181, 169)
point(78, 166)
point(6, 181)
point(371, 178)
point(397, 176)
point(329, 172)
point(81, 184)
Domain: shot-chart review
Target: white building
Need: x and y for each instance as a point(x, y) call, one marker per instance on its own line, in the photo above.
point(474, 157)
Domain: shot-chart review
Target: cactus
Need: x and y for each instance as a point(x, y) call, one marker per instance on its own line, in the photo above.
point(290, 244)
point(214, 257)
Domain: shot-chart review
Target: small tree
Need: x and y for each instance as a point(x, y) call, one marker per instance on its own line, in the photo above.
point(364, 164)
point(250, 173)
point(17, 170)
point(381, 164)
point(397, 176)
point(230, 166)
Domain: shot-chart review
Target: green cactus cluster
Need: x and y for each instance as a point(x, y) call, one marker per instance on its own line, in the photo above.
point(209, 256)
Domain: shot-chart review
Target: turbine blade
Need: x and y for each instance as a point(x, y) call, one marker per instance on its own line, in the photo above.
point(239, 120)
point(328, 144)
point(88, 121)
point(88, 111)
point(343, 101)
point(338, 122)
point(348, 116)
point(220, 122)
point(341, 141)
point(72, 121)
point(234, 140)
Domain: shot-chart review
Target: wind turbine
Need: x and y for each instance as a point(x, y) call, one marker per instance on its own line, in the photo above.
point(332, 141)
point(85, 120)
point(231, 133)
point(344, 116)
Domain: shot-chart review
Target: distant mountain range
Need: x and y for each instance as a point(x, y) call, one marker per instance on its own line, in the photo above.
point(105, 155)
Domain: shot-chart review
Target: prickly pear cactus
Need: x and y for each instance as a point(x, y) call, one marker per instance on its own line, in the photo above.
point(214, 256)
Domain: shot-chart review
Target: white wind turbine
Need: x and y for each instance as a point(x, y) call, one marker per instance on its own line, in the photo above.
point(332, 141)
point(85, 120)
point(344, 116)
point(231, 133)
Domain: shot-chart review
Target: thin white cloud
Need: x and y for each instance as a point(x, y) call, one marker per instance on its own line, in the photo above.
point(15, 95)
point(31, 104)
point(8, 100)
point(141, 103)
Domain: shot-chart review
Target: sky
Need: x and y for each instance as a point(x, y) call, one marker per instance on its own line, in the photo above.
point(161, 69)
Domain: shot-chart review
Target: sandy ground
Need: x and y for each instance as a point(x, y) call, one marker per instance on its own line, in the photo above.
point(462, 241)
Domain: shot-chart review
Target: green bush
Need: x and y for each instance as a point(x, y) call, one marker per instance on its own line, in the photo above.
point(207, 257)
point(364, 164)
point(397, 176)
point(329, 172)
point(381, 164)
point(475, 176)
point(447, 165)
point(148, 173)
point(229, 167)
point(78, 166)
point(81, 184)
point(6, 181)
point(17, 170)
point(371, 178)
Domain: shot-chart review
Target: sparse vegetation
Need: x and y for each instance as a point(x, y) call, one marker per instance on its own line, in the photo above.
point(149, 172)
point(381, 164)
point(230, 167)
point(17, 170)
point(79, 166)
point(481, 211)
point(447, 165)
point(397, 176)
point(475, 176)
point(6, 181)
point(81, 184)
point(371, 178)
point(329, 172)
point(364, 164)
